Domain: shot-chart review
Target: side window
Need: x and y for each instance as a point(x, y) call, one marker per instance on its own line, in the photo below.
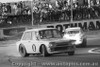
point(27, 36)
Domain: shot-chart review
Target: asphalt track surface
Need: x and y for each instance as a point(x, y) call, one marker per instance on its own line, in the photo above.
point(9, 57)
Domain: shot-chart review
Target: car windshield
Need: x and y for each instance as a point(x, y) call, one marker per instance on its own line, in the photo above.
point(49, 33)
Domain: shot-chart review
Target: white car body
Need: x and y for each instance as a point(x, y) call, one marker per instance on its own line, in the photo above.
point(32, 42)
point(75, 33)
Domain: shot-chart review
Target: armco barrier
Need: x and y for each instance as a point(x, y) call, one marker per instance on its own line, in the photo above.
point(12, 31)
point(7, 32)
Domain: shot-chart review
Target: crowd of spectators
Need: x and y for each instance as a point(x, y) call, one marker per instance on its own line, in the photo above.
point(62, 11)
point(46, 12)
point(14, 14)
point(16, 8)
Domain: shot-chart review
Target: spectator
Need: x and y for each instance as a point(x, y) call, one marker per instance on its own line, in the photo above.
point(0, 9)
point(43, 11)
point(20, 7)
point(65, 3)
point(15, 9)
point(9, 22)
point(4, 9)
point(8, 8)
point(57, 3)
point(29, 12)
point(50, 6)
point(98, 2)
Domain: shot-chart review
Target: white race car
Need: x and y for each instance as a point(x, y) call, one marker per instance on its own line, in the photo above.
point(77, 34)
point(44, 41)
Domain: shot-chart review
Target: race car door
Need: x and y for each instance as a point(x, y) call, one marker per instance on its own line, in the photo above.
point(33, 43)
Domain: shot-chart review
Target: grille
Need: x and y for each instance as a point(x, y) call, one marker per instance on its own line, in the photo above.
point(62, 44)
point(61, 48)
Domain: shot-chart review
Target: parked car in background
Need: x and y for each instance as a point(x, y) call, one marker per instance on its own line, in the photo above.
point(44, 41)
point(77, 34)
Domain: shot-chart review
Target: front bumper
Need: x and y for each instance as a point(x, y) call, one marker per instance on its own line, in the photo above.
point(61, 49)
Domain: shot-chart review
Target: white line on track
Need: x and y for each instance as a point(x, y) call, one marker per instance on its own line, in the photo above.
point(93, 51)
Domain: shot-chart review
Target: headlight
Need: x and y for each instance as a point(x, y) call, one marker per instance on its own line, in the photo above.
point(51, 44)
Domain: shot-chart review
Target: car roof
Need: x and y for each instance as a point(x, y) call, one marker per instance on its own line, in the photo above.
point(72, 28)
point(38, 29)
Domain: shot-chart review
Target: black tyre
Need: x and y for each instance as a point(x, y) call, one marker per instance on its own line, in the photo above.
point(71, 53)
point(84, 43)
point(22, 51)
point(44, 52)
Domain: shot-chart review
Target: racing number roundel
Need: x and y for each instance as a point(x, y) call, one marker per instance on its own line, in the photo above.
point(34, 47)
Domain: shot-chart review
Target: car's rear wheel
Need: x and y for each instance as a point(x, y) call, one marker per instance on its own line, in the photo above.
point(22, 51)
point(71, 53)
point(44, 52)
point(84, 43)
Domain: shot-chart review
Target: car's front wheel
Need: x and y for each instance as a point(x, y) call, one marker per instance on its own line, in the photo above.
point(44, 52)
point(22, 51)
